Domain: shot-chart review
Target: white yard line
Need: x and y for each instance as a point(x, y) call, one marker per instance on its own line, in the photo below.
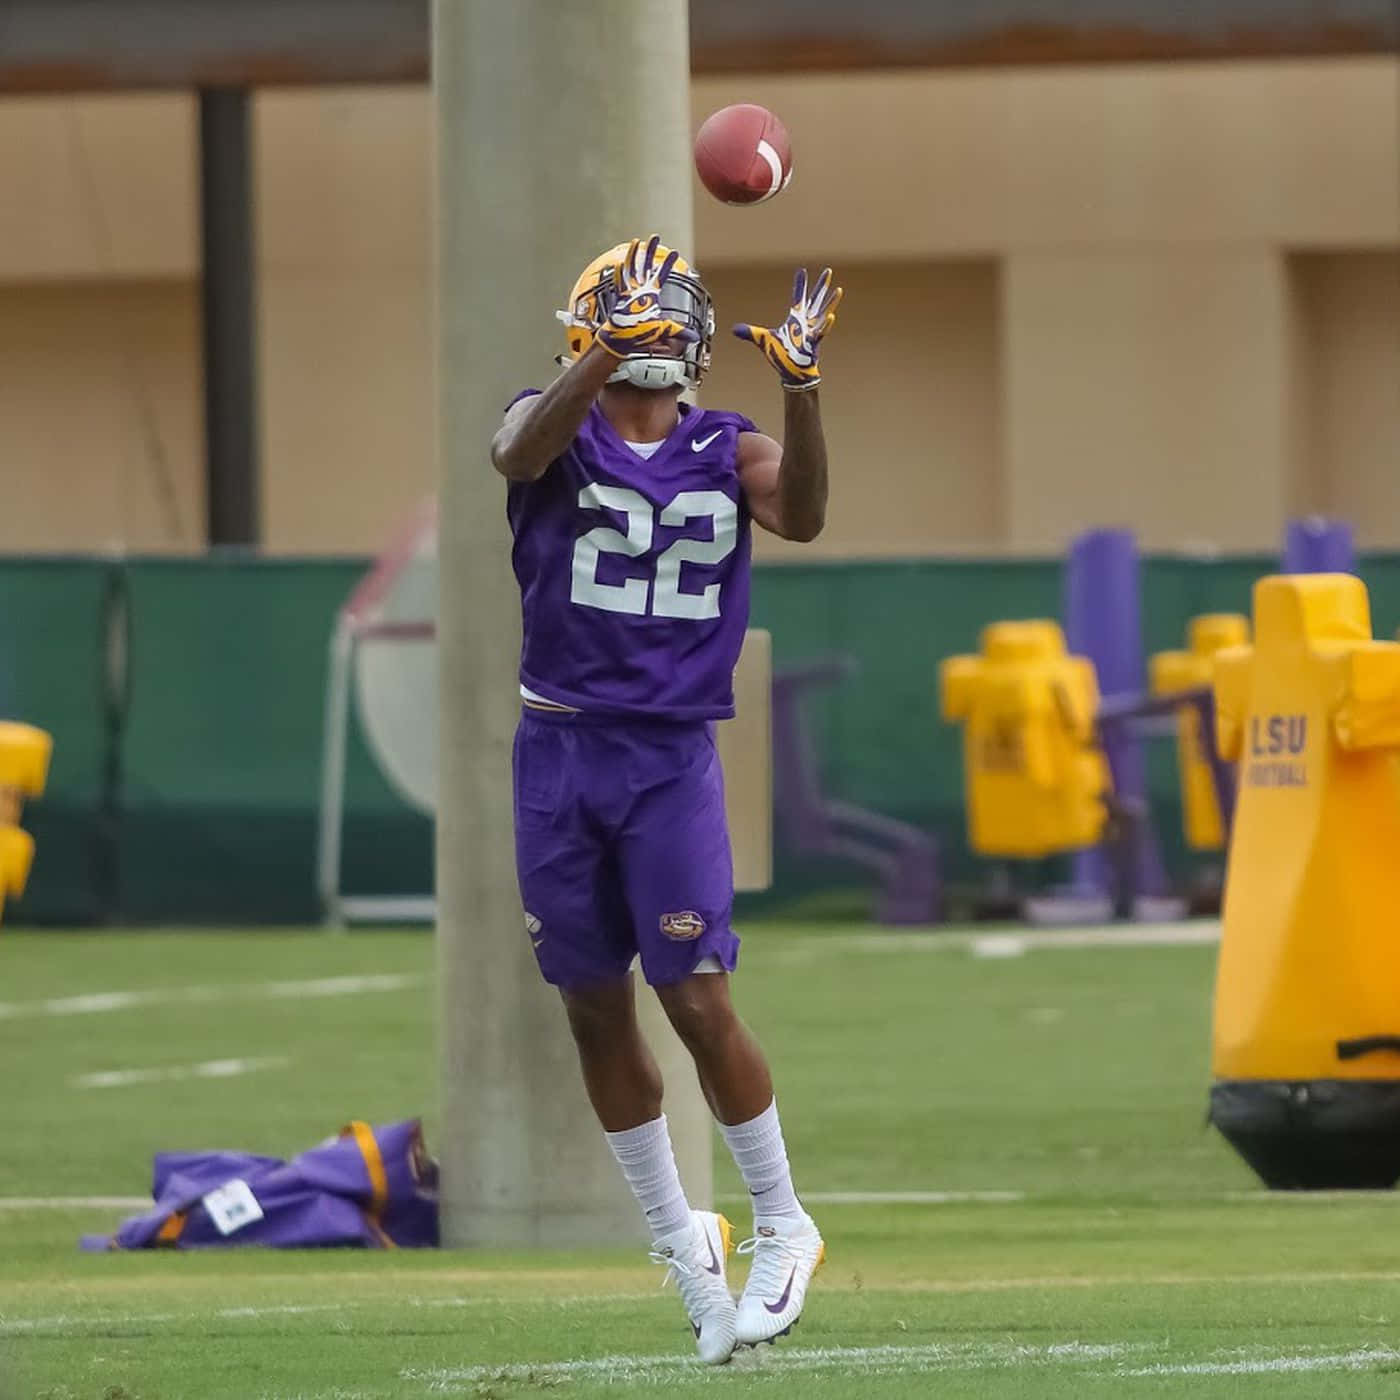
point(64, 1323)
point(340, 986)
point(206, 1069)
point(98, 1320)
point(912, 1198)
point(1119, 1281)
point(935, 1197)
point(1087, 1357)
point(851, 1198)
point(941, 1356)
point(1363, 1358)
point(865, 1360)
point(1007, 943)
point(92, 1003)
point(1013, 945)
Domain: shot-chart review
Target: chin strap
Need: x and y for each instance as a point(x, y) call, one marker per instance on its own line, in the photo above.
point(653, 372)
point(669, 379)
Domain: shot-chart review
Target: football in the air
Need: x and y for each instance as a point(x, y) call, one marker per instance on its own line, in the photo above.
point(742, 154)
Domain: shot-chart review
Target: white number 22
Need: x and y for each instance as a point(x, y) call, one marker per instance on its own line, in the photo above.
point(630, 596)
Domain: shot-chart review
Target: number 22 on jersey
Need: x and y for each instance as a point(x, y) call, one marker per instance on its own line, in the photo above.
point(663, 590)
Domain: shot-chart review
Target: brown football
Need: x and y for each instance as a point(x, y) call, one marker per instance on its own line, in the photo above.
point(743, 154)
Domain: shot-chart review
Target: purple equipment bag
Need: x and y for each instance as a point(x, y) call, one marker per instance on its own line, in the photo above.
point(374, 1188)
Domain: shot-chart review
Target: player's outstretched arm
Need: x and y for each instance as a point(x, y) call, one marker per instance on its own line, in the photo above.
point(539, 429)
point(786, 486)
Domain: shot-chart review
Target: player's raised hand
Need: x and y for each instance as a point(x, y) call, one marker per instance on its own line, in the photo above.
point(792, 348)
point(637, 319)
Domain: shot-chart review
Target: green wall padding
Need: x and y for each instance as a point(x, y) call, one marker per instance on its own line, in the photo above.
point(222, 745)
point(50, 673)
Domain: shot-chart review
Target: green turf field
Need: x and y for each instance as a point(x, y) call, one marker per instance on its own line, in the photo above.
point(1125, 1251)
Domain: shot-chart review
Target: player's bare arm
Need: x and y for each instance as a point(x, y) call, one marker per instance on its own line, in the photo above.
point(536, 430)
point(785, 486)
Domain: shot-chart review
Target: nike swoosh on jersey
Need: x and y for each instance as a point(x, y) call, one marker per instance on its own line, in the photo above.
point(787, 1292)
point(700, 444)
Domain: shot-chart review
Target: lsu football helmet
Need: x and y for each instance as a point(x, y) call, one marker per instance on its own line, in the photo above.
point(685, 299)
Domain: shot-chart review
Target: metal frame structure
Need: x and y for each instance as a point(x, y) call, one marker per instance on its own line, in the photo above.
point(904, 859)
point(361, 620)
point(337, 908)
point(1145, 717)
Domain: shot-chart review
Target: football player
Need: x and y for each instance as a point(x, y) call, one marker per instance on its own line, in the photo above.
point(630, 511)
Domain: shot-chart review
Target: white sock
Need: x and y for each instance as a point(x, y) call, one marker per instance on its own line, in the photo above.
point(757, 1147)
point(647, 1161)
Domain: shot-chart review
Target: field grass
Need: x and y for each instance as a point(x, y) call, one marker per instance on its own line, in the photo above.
point(1130, 1253)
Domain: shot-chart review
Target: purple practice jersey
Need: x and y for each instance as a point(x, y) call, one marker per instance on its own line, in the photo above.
point(634, 573)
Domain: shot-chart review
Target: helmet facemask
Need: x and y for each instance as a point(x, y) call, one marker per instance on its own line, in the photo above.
point(687, 303)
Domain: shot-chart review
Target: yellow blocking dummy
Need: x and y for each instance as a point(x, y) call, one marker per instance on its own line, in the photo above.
point(1307, 997)
point(1034, 780)
point(24, 769)
point(1174, 671)
point(1310, 954)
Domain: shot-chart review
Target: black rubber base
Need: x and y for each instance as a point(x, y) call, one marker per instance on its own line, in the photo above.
point(1313, 1135)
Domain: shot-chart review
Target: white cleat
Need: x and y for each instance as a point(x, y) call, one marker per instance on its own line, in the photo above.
point(783, 1265)
point(695, 1258)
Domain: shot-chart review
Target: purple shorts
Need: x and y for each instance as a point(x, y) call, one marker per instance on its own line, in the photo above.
point(622, 848)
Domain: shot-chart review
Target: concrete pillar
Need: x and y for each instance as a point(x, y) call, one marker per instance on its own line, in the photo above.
point(1154, 390)
point(561, 130)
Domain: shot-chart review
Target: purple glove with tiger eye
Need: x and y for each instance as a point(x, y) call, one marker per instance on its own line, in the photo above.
point(792, 348)
point(637, 319)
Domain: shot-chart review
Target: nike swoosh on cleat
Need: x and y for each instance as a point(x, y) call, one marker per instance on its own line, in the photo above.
point(713, 1266)
point(700, 444)
point(787, 1291)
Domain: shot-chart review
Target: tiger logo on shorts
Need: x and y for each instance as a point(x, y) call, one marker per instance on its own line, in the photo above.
point(683, 926)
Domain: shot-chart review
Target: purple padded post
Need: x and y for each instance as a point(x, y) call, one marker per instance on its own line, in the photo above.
point(1103, 621)
point(1315, 545)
